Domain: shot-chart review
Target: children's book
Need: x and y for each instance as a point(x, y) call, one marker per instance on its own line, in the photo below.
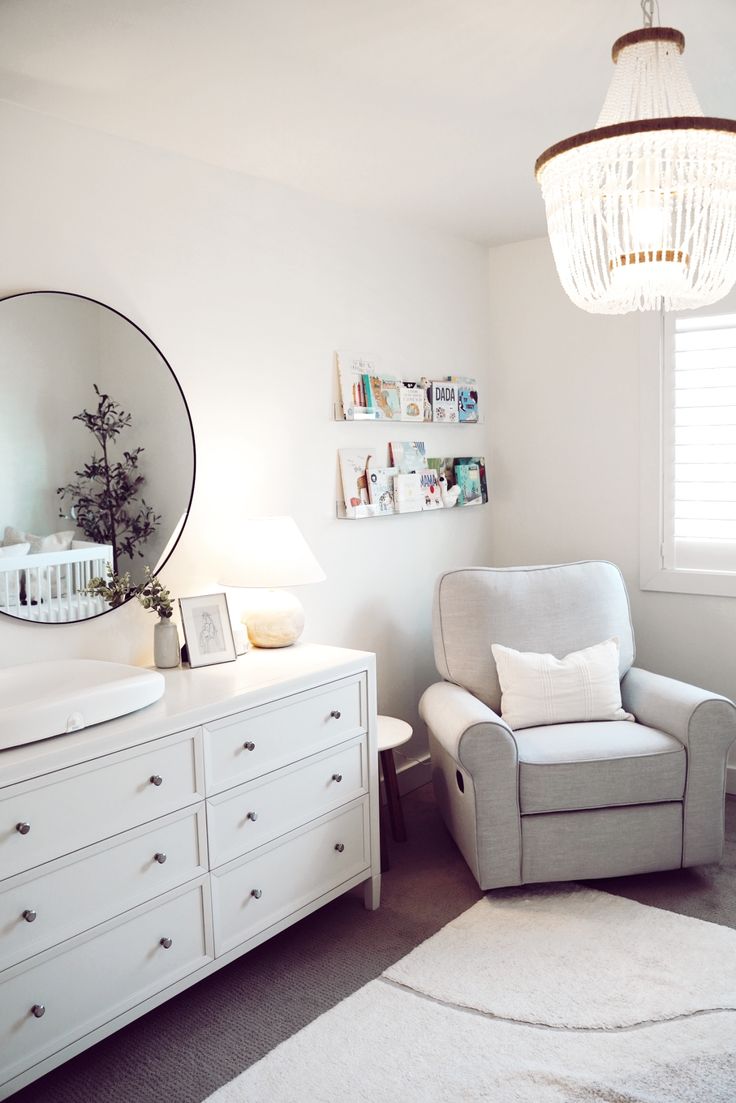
point(411, 401)
point(382, 395)
point(408, 455)
point(352, 469)
point(381, 487)
point(408, 494)
point(444, 401)
point(467, 403)
point(430, 484)
point(443, 465)
point(350, 372)
point(468, 479)
point(426, 386)
point(480, 462)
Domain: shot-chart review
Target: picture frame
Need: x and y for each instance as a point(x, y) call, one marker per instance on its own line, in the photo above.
point(208, 633)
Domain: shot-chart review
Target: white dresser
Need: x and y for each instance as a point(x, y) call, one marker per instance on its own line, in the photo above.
point(138, 856)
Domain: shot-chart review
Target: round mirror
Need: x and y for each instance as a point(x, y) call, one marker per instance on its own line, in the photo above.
point(97, 455)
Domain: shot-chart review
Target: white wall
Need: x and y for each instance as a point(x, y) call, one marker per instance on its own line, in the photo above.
point(565, 457)
point(248, 288)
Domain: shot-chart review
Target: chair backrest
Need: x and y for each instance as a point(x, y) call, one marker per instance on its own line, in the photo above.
point(546, 609)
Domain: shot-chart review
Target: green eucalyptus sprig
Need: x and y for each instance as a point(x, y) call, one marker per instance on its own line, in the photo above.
point(115, 589)
point(118, 588)
point(153, 595)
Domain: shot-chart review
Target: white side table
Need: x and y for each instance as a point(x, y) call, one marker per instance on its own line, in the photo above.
point(392, 733)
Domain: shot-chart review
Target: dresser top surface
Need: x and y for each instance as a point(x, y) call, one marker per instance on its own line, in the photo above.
point(191, 698)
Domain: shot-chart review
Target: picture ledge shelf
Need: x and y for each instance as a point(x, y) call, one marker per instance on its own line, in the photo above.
point(376, 416)
point(363, 512)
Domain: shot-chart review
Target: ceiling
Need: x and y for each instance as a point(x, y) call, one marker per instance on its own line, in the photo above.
point(432, 110)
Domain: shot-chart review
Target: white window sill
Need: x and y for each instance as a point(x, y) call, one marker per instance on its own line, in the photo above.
point(711, 583)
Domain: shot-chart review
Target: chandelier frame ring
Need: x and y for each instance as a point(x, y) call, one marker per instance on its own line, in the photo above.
point(634, 126)
point(648, 34)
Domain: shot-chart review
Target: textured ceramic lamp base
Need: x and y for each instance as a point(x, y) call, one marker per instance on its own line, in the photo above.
point(275, 619)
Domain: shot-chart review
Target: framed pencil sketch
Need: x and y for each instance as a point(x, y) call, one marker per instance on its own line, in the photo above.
point(208, 633)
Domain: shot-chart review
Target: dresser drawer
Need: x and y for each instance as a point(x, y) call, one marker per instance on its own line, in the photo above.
point(73, 808)
point(99, 976)
point(253, 743)
point(63, 898)
point(245, 818)
point(250, 895)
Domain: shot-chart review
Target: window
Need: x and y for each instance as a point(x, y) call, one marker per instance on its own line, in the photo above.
point(688, 367)
point(700, 454)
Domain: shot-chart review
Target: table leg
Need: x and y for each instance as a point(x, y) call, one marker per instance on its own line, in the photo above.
point(372, 893)
point(393, 799)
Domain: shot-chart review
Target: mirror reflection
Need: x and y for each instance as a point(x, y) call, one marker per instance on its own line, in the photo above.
point(96, 454)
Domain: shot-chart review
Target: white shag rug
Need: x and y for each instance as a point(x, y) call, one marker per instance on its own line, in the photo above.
point(553, 995)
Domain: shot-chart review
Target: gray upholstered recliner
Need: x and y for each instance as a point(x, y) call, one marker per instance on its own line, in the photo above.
point(567, 801)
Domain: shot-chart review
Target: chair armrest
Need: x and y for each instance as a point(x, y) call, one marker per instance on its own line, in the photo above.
point(464, 726)
point(468, 740)
point(705, 724)
point(679, 709)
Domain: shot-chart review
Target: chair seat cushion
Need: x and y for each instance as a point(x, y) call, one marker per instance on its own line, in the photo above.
point(566, 767)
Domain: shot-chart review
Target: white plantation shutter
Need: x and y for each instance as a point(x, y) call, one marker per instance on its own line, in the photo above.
point(699, 423)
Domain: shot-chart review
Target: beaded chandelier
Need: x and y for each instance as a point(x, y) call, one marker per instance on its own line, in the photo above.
point(641, 210)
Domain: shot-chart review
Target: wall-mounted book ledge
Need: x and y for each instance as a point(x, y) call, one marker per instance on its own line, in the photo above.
point(369, 394)
point(361, 513)
point(364, 414)
point(412, 482)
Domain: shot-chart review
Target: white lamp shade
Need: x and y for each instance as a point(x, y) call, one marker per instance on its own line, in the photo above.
point(268, 552)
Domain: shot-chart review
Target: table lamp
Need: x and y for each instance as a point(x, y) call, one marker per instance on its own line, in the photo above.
point(266, 553)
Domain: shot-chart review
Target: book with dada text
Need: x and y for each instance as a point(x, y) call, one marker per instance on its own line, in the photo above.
point(443, 396)
point(408, 494)
point(430, 484)
point(411, 401)
point(381, 487)
point(353, 463)
point(382, 396)
point(408, 455)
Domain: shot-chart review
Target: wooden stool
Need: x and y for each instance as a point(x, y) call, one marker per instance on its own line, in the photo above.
point(392, 733)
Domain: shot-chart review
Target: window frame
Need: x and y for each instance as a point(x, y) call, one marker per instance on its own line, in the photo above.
point(655, 458)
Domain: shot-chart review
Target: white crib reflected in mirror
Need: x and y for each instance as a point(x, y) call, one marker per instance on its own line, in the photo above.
point(97, 455)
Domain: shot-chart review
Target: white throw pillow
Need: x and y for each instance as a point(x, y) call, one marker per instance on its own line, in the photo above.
point(56, 542)
point(540, 689)
point(9, 587)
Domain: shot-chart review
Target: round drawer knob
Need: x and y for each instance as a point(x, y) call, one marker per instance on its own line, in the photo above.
point(337, 777)
point(252, 816)
point(167, 943)
point(156, 779)
point(38, 1010)
point(257, 893)
point(335, 714)
point(23, 828)
point(30, 915)
point(249, 745)
point(160, 857)
point(339, 847)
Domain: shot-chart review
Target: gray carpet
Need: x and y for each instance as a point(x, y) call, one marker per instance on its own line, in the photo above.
point(182, 1051)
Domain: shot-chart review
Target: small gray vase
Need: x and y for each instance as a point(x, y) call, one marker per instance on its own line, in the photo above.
point(165, 644)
